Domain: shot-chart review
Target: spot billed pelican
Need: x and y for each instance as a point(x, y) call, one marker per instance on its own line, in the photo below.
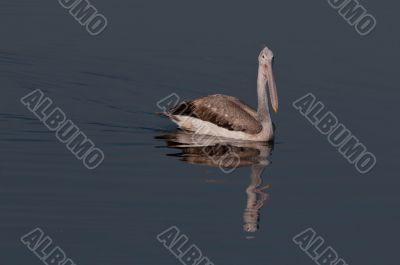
point(229, 117)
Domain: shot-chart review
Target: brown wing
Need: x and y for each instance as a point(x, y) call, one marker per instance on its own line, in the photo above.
point(224, 111)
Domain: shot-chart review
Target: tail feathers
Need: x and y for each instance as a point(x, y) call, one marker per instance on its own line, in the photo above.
point(168, 115)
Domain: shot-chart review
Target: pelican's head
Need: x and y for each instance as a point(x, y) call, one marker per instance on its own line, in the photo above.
point(266, 56)
point(265, 62)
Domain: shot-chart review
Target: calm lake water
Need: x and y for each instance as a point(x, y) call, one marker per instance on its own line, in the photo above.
point(108, 85)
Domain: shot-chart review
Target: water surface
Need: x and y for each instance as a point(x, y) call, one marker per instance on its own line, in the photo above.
point(109, 86)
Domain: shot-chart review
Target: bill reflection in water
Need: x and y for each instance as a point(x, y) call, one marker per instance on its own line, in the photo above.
point(228, 155)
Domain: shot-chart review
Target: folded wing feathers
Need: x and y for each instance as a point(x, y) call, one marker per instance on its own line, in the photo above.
point(224, 111)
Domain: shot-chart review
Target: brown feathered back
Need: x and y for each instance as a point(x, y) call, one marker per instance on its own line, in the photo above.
point(224, 111)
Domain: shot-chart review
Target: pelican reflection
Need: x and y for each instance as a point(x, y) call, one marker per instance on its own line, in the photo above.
point(256, 196)
point(227, 154)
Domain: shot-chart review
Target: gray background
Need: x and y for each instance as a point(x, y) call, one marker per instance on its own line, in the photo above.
point(109, 85)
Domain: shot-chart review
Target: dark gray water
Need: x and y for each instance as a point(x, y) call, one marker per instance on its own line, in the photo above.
point(109, 85)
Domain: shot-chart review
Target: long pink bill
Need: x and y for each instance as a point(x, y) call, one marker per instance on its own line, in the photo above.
point(272, 88)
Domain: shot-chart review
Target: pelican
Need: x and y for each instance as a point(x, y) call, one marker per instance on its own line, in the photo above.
point(229, 117)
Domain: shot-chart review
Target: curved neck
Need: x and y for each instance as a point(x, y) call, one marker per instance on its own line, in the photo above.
point(262, 110)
